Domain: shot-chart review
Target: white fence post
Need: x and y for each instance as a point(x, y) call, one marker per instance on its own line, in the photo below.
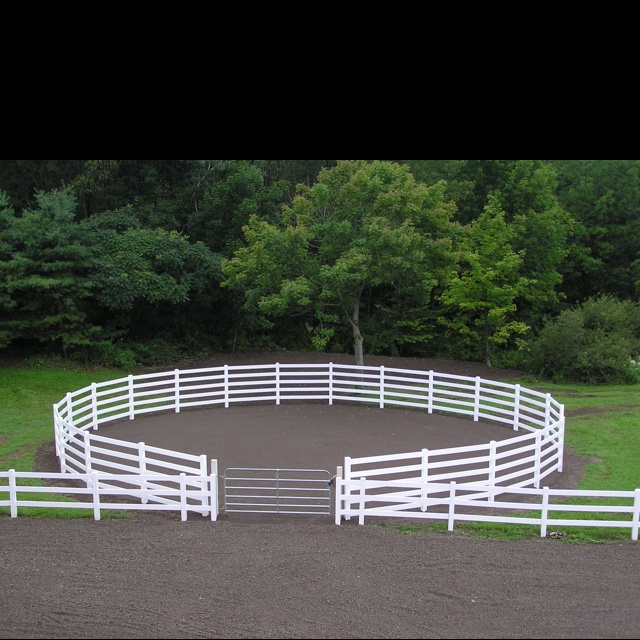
point(176, 390)
point(561, 422)
point(96, 496)
point(132, 413)
point(452, 505)
point(347, 477)
point(547, 411)
point(214, 490)
point(277, 383)
point(142, 464)
point(476, 400)
point(430, 399)
point(424, 477)
point(69, 409)
point(331, 383)
point(13, 494)
point(636, 515)
point(362, 500)
point(183, 496)
point(492, 469)
point(544, 516)
point(538, 460)
point(94, 406)
point(516, 408)
point(226, 386)
point(204, 482)
point(382, 386)
point(87, 455)
point(338, 495)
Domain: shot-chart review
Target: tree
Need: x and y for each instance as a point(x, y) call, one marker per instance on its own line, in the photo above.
point(46, 261)
point(361, 228)
point(139, 269)
point(481, 295)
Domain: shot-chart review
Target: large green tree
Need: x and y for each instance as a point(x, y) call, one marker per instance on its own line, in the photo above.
point(481, 295)
point(362, 229)
point(46, 264)
point(145, 277)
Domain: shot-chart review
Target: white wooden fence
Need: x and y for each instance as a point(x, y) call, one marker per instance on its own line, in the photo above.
point(482, 472)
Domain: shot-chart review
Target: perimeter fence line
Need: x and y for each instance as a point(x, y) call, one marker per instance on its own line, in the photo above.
point(463, 480)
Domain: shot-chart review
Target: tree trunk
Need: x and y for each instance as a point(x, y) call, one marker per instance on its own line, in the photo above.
point(357, 336)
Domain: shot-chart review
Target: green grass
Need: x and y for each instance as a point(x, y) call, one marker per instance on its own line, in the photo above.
point(611, 436)
point(26, 423)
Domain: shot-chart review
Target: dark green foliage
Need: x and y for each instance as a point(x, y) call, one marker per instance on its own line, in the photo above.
point(595, 342)
point(46, 274)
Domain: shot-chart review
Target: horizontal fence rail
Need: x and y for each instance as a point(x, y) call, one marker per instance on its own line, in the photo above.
point(484, 472)
point(452, 502)
point(157, 492)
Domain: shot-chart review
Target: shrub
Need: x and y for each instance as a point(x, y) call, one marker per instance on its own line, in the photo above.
point(592, 343)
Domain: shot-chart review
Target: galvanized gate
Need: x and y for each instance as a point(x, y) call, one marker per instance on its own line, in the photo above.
point(283, 491)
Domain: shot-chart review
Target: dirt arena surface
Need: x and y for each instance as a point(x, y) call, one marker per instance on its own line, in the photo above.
point(258, 576)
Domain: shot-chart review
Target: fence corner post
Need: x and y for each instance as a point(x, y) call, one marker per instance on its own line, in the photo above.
point(636, 515)
point(544, 515)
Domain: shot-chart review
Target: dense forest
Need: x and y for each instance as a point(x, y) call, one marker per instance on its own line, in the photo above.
point(523, 263)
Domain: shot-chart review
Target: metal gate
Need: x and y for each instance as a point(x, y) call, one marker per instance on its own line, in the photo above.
point(259, 490)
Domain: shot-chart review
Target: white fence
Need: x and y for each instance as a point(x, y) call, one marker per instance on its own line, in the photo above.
point(482, 472)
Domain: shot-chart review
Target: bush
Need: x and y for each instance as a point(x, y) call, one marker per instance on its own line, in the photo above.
point(594, 343)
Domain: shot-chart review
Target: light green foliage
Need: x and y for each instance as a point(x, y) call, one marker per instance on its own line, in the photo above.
point(481, 295)
point(364, 227)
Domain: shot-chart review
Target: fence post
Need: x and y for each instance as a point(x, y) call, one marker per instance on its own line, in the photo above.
point(424, 477)
point(94, 406)
point(142, 464)
point(204, 482)
point(544, 516)
point(547, 410)
point(176, 389)
point(69, 408)
point(226, 386)
point(331, 383)
point(430, 400)
point(538, 460)
point(361, 500)
point(56, 431)
point(516, 408)
point(132, 413)
point(277, 383)
point(561, 423)
point(214, 490)
point(338, 495)
point(13, 494)
point(382, 386)
point(183, 497)
point(347, 476)
point(452, 505)
point(476, 400)
point(636, 515)
point(96, 496)
point(492, 469)
point(87, 456)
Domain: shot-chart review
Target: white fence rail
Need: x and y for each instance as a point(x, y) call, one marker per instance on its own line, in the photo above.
point(452, 502)
point(518, 464)
point(157, 492)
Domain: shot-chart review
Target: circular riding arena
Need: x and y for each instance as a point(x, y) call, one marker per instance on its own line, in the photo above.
point(152, 576)
point(302, 435)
